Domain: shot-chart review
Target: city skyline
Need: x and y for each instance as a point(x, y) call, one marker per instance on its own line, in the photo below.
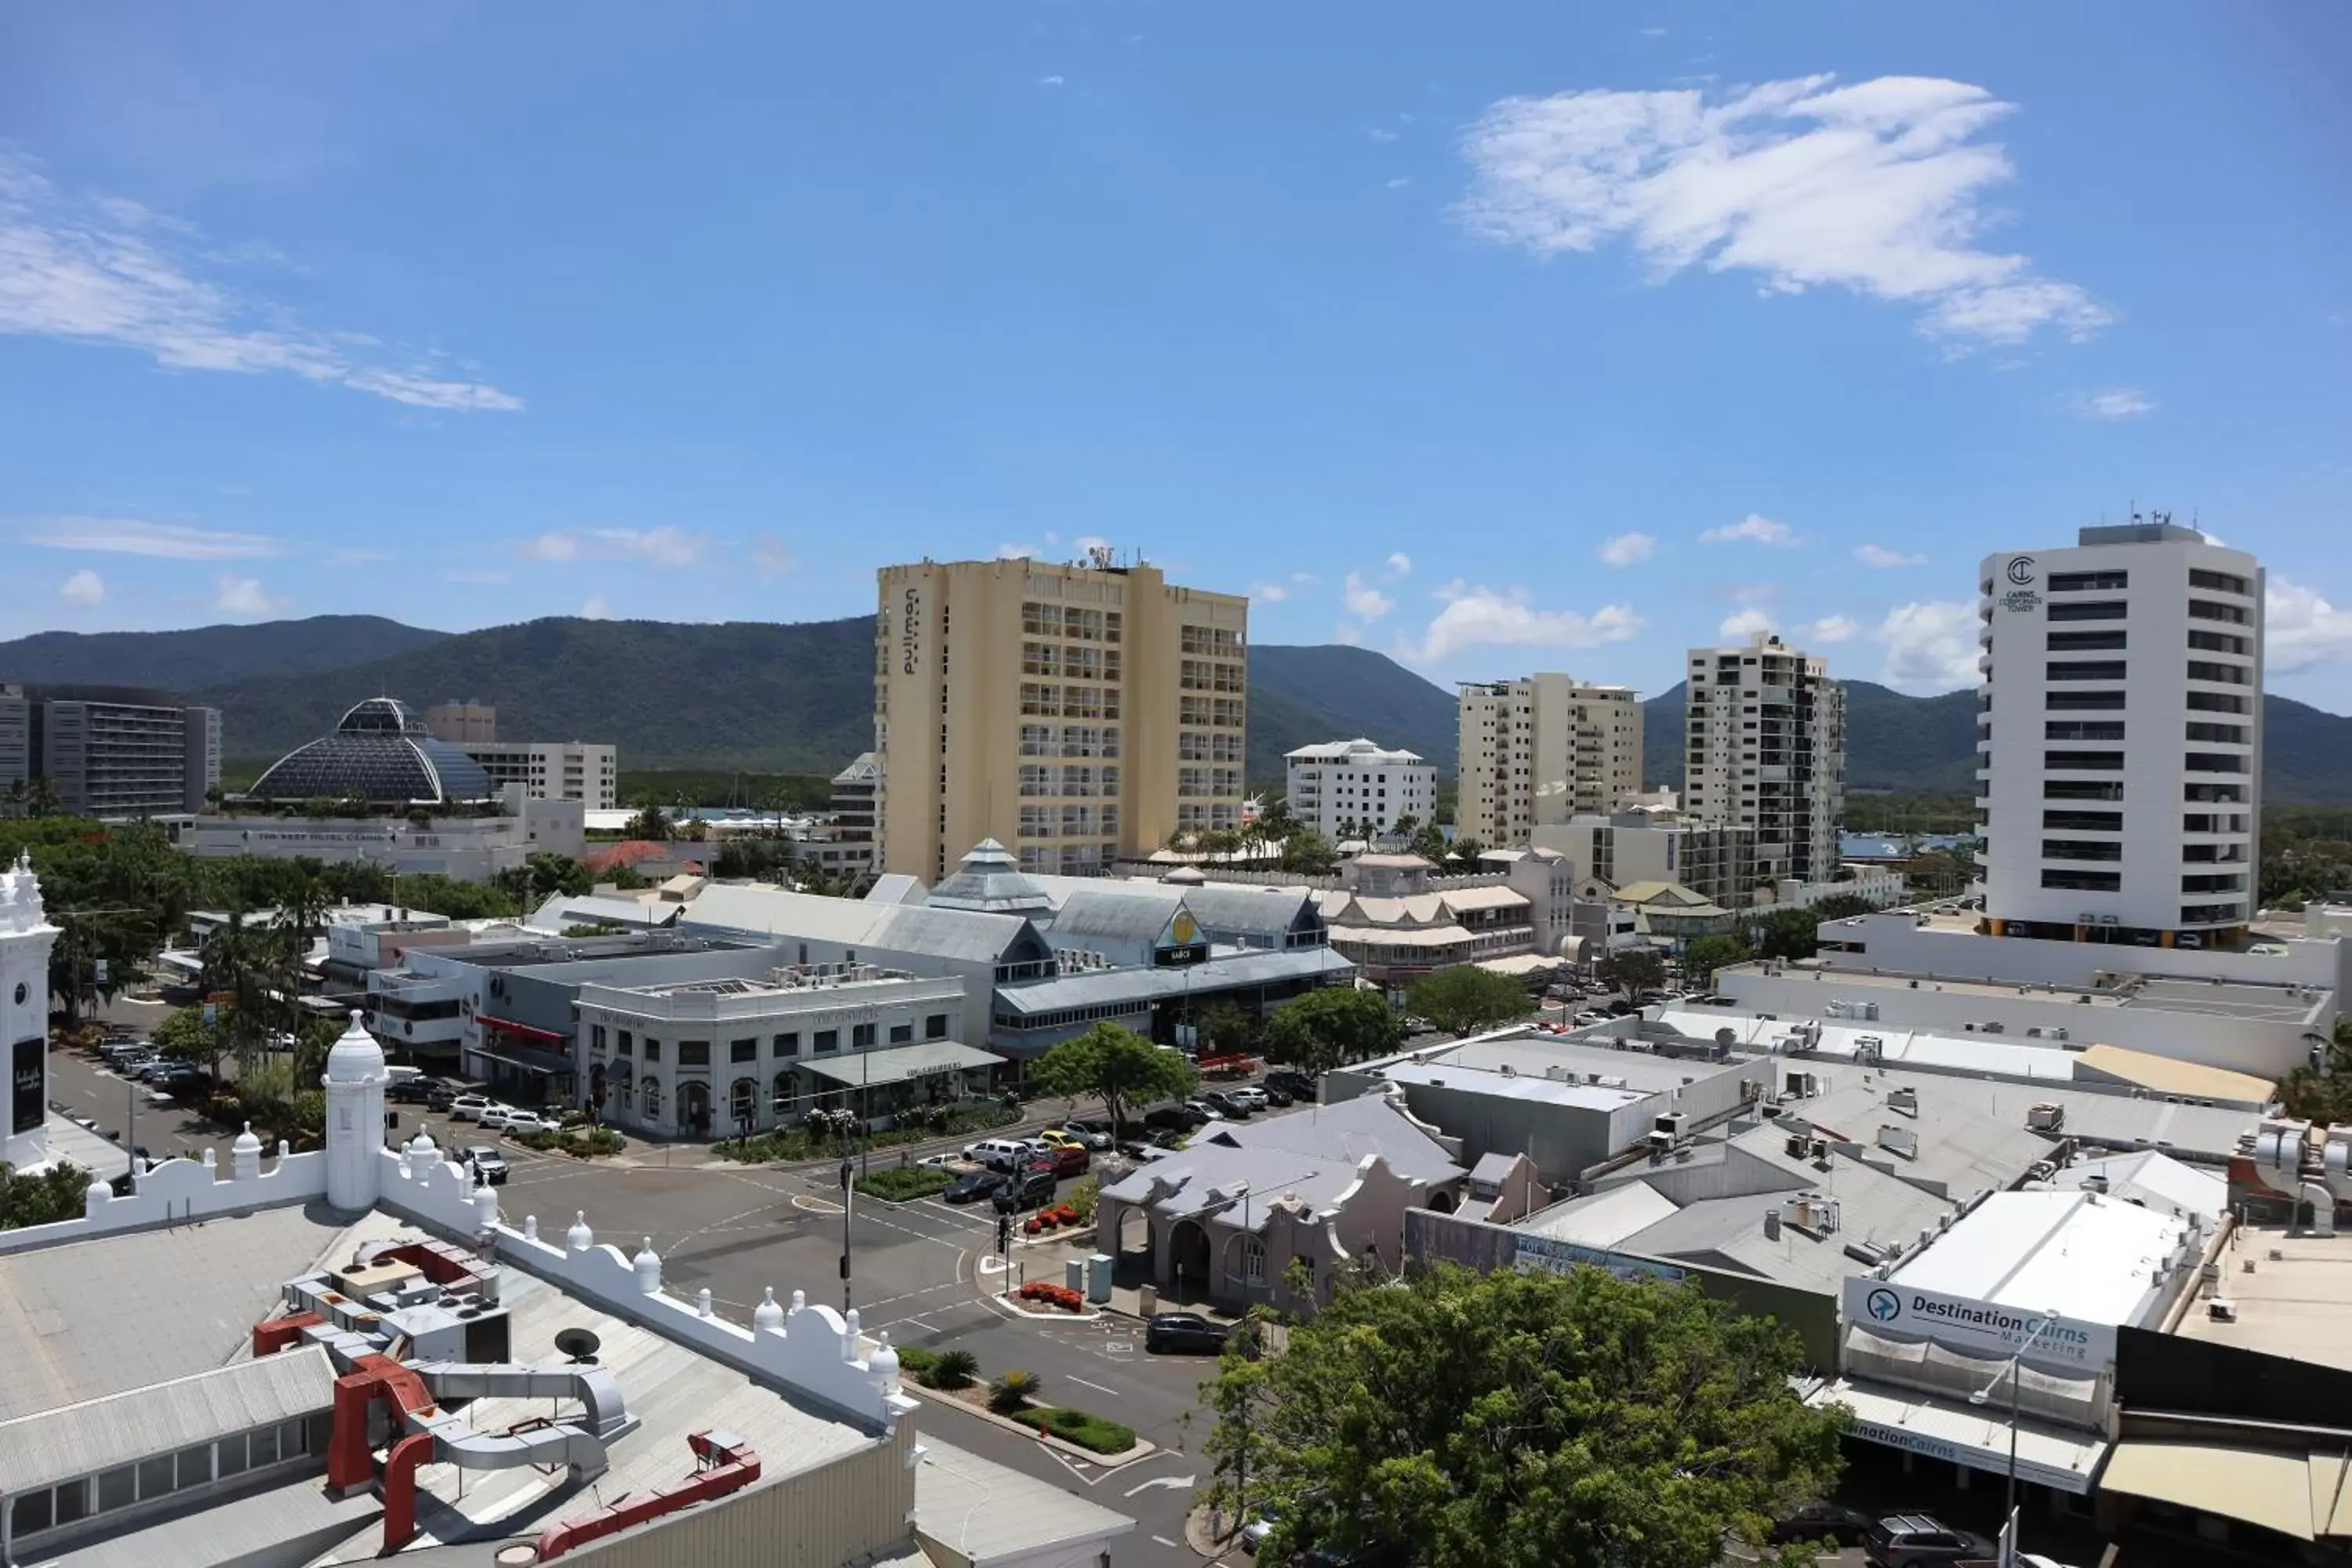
point(1416, 362)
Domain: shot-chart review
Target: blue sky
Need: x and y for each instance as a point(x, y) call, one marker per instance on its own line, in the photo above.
point(1499, 340)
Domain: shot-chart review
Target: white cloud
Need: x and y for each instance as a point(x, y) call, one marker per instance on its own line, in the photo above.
point(1400, 183)
point(1741, 624)
point(1347, 634)
point(1931, 644)
point(769, 556)
point(1085, 543)
point(1304, 578)
point(1880, 188)
point(1272, 592)
point(1831, 629)
point(1483, 617)
point(84, 589)
point(663, 546)
point(1399, 564)
point(2299, 628)
point(1880, 557)
point(137, 536)
point(596, 609)
point(1627, 548)
point(1049, 81)
point(1364, 601)
point(1752, 593)
point(2115, 403)
point(1377, 134)
point(105, 271)
point(1015, 552)
point(1751, 529)
point(234, 595)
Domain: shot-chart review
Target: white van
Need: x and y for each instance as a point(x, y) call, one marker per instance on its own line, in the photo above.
point(999, 1153)
point(403, 1074)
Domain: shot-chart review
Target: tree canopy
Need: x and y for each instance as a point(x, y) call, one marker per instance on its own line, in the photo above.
point(1467, 998)
point(1330, 1028)
point(1631, 969)
point(1789, 933)
point(1517, 1420)
point(1112, 1063)
point(1703, 955)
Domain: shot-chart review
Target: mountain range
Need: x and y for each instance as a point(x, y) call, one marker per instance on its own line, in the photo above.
point(763, 696)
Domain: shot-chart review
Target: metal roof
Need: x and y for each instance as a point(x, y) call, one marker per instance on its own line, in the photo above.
point(1145, 986)
point(137, 1424)
point(896, 1064)
point(968, 935)
point(983, 1514)
point(1115, 916)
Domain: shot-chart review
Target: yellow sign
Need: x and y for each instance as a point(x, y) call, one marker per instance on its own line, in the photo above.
point(1182, 931)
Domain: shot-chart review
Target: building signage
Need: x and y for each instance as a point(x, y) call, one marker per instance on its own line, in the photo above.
point(29, 1105)
point(1978, 1327)
point(1968, 1454)
point(911, 632)
point(2021, 598)
point(1551, 1256)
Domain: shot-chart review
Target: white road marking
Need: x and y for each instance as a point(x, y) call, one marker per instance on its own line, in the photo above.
point(1182, 1482)
point(814, 1205)
point(1097, 1387)
point(1162, 1540)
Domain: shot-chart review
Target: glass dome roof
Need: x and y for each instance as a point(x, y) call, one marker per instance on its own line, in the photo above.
point(380, 753)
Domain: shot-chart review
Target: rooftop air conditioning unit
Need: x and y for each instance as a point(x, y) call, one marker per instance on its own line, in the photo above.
point(1798, 1144)
point(2221, 1310)
point(2049, 1116)
point(1905, 1099)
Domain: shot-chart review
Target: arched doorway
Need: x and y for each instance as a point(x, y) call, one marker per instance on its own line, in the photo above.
point(781, 1099)
point(1134, 1231)
point(743, 1106)
point(1440, 1202)
point(694, 1109)
point(649, 1100)
point(1188, 1259)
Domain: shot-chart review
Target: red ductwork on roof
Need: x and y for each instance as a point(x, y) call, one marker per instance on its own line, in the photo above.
point(275, 1335)
point(724, 1463)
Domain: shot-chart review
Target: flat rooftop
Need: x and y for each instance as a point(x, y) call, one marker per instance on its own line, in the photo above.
point(2074, 1254)
point(2297, 1304)
point(1506, 1062)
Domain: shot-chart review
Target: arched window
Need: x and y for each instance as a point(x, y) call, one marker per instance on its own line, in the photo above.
point(1246, 1261)
point(783, 1094)
point(744, 1101)
point(652, 1097)
point(624, 1090)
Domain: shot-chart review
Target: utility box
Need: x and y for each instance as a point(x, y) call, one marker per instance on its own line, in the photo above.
point(1098, 1271)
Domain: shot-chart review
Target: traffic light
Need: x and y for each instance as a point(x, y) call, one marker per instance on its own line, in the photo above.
point(1003, 1233)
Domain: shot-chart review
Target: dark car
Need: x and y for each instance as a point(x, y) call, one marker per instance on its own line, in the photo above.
point(1298, 1085)
point(1276, 1096)
point(1174, 1119)
point(416, 1091)
point(440, 1096)
point(1063, 1160)
point(1919, 1540)
point(972, 1187)
point(1819, 1520)
point(1030, 1190)
point(1183, 1332)
point(1226, 1104)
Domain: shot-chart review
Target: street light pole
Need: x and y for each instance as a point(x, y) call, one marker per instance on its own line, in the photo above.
point(2015, 1372)
point(847, 1194)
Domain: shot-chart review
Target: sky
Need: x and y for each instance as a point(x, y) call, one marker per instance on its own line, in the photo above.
point(1498, 338)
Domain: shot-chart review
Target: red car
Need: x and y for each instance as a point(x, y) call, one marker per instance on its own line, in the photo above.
point(1065, 1161)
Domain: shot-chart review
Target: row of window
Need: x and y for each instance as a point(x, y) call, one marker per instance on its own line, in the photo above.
point(1197, 675)
point(1221, 642)
point(1081, 780)
point(2072, 880)
point(1069, 663)
point(1068, 821)
point(697, 1053)
point(1070, 623)
point(1220, 713)
point(1071, 1017)
point(72, 1502)
point(1208, 746)
point(1063, 701)
point(1069, 741)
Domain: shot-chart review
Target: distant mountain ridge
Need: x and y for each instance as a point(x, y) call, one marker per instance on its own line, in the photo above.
point(798, 698)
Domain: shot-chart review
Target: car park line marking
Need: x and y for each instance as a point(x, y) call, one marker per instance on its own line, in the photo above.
point(1097, 1387)
point(1163, 1540)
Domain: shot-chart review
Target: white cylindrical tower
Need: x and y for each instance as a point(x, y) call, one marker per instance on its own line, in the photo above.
point(25, 939)
point(354, 1087)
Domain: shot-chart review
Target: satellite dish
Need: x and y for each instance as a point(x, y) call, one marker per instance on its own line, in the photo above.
point(579, 1345)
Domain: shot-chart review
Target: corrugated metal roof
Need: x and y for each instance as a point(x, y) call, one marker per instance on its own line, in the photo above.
point(1145, 986)
point(985, 1513)
point(2275, 1490)
point(971, 935)
point(120, 1428)
point(896, 1064)
point(1114, 916)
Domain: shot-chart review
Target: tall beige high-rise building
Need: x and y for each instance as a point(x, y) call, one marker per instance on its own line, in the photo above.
point(1764, 747)
point(1075, 713)
point(1541, 750)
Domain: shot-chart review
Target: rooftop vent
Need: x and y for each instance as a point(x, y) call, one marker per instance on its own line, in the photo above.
point(1905, 1099)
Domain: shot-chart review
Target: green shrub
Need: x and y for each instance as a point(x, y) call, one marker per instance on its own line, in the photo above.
point(953, 1370)
point(900, 1185)
point(1011, 1392)
point(917, 1362)
point(1083, 1196)
point(1087, 1431)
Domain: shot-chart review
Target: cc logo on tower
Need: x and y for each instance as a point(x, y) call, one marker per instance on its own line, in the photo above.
point(2021, 570)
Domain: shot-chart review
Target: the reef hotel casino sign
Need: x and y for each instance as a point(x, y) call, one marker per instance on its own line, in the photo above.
point(1986, 1328)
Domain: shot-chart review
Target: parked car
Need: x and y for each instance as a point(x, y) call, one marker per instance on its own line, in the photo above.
point(949, 1161)
point(1175, 1119)
point(488, 1163)
point(1249, 1097)
point(1029, 1190)
point(496, 1114)
point(467, 1107)
point(1183, 1332)
point(510, 1120)
point(1084, 1137)
point(972, 1187)
point(1005, 1154)
point(1279, 1099)
point(1819, 1520)
point(1224, 1104)
point(1207, 1110)
point(1063, 1160)
point(1919, 1540)
point(1059, 1138)
point(1298, 1085)
point(418, 1091)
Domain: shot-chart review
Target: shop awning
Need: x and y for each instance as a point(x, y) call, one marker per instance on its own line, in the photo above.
point(2061, 1458)
point(528, 1058)
point(2297, 1493)
point(508, 1026)
point(896, 1064)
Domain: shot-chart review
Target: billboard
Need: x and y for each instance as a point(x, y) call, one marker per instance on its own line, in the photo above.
point(28, 1073)
point(1556, 1257)
point(1979, 1328)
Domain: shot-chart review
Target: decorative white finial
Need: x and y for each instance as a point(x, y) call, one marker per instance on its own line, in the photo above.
point(884, 1363)
point(800, 1300)
point(530, 1227)
point(647, 1264)
point(768, 1314)
point(580, 1237)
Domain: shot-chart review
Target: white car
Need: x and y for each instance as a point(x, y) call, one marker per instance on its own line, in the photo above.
point(507, 1118)
point(469, 1107)
point(1249, 1095)
point(949, 1161)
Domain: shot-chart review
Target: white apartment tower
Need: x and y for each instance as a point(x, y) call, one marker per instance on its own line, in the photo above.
point(1540, 751)
point(2121, 706)
point(1077, 712)
point(1764, 747)
point(1346, 787)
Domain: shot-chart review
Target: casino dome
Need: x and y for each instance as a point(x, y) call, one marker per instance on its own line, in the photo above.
point(381, 752)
